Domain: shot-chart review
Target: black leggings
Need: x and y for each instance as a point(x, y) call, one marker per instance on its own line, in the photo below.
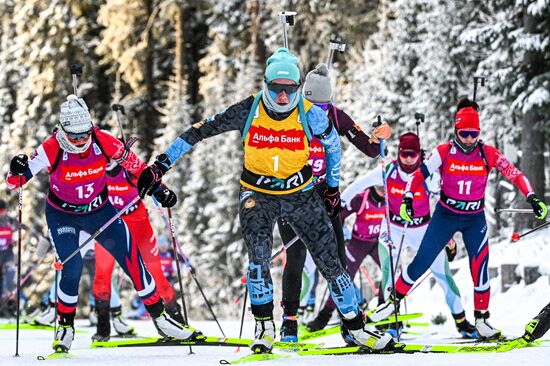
point(296, 257)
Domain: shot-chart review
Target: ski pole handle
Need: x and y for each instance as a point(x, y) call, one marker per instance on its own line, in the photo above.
point(58, 265)
point(515, 210)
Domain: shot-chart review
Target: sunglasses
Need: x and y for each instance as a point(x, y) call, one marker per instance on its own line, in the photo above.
point(76, 136)
point(323, 106)
point(279, 88)
point(408, 154)
point(468, 133)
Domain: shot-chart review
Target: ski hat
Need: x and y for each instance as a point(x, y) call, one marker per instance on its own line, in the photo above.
point(317, 87)
point(282, 65)
point(74, 116)
point(467, 118)
point(409, 141)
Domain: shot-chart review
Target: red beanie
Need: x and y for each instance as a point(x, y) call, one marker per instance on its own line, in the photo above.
point(409, 141)
point(467, 118)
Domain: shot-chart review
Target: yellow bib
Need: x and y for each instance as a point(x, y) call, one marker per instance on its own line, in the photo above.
point(276, 149)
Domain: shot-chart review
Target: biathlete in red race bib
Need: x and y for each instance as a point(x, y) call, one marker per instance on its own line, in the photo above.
point(76, 157)
point(464, 165)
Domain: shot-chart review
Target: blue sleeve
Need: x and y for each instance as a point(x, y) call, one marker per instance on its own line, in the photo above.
point(232, 118)
point(177, 149)
point(318, 123)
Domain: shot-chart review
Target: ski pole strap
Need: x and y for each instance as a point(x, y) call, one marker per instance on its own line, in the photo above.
point(101, 229)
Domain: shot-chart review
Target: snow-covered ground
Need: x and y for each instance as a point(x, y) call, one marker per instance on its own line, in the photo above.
point(510, 311)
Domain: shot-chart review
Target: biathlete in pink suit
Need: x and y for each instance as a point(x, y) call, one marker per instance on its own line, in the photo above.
point(398, 174)
point(464, 165)
point(76, 157)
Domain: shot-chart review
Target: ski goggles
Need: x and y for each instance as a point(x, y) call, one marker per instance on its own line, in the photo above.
point(408, 154)
point(323, 106)
point(468, 133)
point(279, 88)
point(73, 137)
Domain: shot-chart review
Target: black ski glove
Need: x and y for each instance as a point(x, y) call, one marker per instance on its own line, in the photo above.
point(151, 177)
point(166, 197)
point(19, 164)
point(539, 207)
point(451, 250)
point(332, 201)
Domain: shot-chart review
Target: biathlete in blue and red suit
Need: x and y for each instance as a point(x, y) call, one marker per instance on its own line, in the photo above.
point(76, 157)
point(317, 90)
point(464, 165)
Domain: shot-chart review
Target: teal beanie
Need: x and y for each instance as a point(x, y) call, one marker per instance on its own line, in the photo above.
point(282, 65)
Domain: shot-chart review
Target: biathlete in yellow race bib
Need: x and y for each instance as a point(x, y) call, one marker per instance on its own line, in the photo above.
point(276, 153)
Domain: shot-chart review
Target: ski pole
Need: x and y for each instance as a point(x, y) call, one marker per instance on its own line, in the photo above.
point(516, 236)
point(19, 241)
point(401, 245)
point(284, 247)
point(76, 71)
point(515, 210)
point(477, 79)
point(390, 244)
point(58, 265)
point(243, 281)
point(418, 283)
point(178, 270)
point(369, 279)
point(187, 262)
point(335, 45)
point(286, 17)
point(119, 109)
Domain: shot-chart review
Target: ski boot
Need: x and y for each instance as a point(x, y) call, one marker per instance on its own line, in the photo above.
point(394, 331)
point(321, 321)
point(538, 326)
point(464, 327)
point(483, 328)
point(289, 329)
point(174, 310)
point(344, 332)
point(122, 328)
point(264, 335)
point(166, 326)
point(385, 310)
point(103, 324)
point(64, 333)
point(363, 335)
point(46, 317)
